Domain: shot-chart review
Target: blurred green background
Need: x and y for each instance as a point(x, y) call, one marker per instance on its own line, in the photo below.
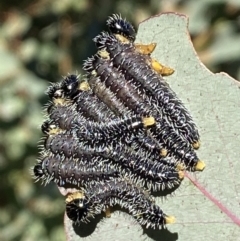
point(40, 41)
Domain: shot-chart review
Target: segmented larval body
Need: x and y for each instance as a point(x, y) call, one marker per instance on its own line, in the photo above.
point(115, 81)
point(92, 107)
point(136, 67)
point(85, 101)
point(180, 149)
point(109, 98)
point(89, 106)
point(106, 96)
point(84, 205)
point(73, 172)
point(138, 166)
point(93, 132)
point(112, 130)
point(66, 115)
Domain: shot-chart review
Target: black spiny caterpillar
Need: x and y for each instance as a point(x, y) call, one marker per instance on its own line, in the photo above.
point(66, 118)
point(105, 132)
point(70, 171)
point(82, 206)
point(139, 167)
point(89, 106)
point(137, 67)
point(112, 78)
point(73, 88)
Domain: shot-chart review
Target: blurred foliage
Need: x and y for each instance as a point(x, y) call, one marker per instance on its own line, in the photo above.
point(42, 40)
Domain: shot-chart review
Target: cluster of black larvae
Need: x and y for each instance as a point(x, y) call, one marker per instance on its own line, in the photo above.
point(118, 134)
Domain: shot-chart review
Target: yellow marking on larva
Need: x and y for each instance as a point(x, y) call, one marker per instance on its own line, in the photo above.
point(161, 69)
point(196, 145)
point(72, 196)
point(108, 212)
point(94, 73)
point(59, 101)
point(200, 166)
point(170, 219)
point(122, 38)
point(181, 167)
point(145, 49)
point(104, 54)
point(163, 152)
point(148, 121)
point(84, 86)
point(181, 174)
point(54, 130)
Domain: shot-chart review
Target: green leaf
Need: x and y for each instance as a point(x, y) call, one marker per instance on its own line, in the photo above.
point(206, 205)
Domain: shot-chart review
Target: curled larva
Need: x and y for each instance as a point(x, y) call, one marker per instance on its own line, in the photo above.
point(86, 204)
point(139, 167)
point(136, 69)
point(69, 171)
